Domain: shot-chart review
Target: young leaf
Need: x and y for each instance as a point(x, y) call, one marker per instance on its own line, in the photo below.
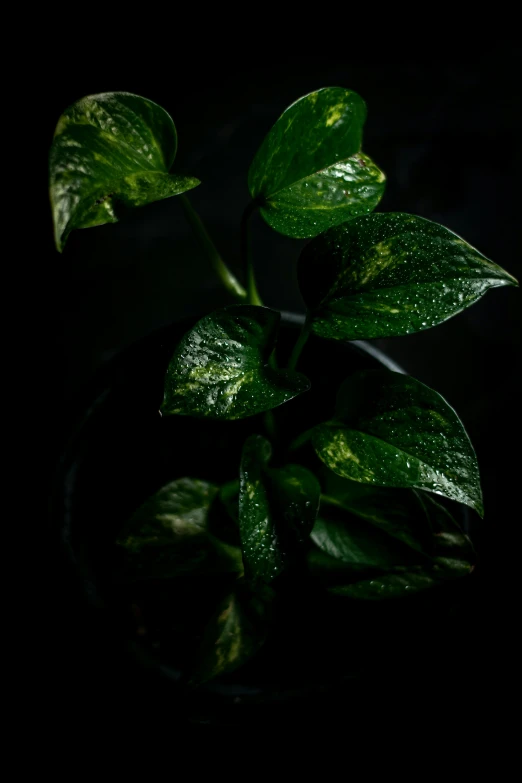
point(393, 431)
point(309, 173)
point(168, 535)
point(275, 507)
point(237, 630)
point(453, 558)
point(109, 148)
point(390, 274)
point(220, 369)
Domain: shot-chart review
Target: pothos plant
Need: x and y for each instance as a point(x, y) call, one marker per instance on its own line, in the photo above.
point(363, 519)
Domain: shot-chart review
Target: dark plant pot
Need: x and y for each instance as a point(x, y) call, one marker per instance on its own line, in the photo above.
point(322, 655)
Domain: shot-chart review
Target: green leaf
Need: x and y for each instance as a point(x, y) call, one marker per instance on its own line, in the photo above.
point(110, 148)
point(168, 535)
point(453, 558)
point(353, 541)
point(237, 630)
point(277, 509)
point(391, 430)
point(390, 274)
point(220, 369)
point(309, 173)
point(400, 513)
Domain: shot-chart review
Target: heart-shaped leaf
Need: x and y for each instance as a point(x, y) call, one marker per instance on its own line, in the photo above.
point(237, 630)
point(391, 430)
point(220, 369)
point(390, 274)
point(277, 509)
point(453, 558)
point(169, 536)
point(309, 173)
point(108, 149)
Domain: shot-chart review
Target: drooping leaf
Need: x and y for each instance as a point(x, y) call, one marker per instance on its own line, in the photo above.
point(390, 274)
point(110, 148)
point(309, 173)
point(220, 369)
point(237, 631)
point(277, 509)
point(391, 430)
point(168, 535)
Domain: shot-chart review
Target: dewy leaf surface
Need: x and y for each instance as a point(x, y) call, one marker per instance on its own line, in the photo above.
point(277, 509)
point(110, 148)
point(390, 274)
point(391, 430)
point(309, 173)
point(220, 368)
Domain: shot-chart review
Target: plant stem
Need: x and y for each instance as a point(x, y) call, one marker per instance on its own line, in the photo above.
point(301, 439)
point(300, 343)
point(270, 425)
point(246, 255)
point(219, 266)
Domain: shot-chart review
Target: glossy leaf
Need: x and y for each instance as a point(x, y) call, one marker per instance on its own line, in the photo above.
point(277, 509)
point(169, 536)
point(453, 558)
point(220, 369)
point(237, 631)
point(391, 430)
point(390, 274)
point(353, 541)
point(400, 513)
point(110, 148)
point(309, 173)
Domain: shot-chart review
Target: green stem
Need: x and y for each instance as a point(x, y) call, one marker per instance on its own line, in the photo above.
point(329, 501)
point(270, 425)
point(300, 343)
point(219, 266)
point(301, 439)
point(246, 255)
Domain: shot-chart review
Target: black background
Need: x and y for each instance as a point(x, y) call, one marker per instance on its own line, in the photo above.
point(446, 130)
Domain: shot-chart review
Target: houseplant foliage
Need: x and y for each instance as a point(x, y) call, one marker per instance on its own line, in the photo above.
point(367, 519)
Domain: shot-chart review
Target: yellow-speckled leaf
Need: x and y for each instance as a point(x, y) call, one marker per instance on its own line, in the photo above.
point(109, 149)
point(391, 430)
point(309, 173)
point(236, 631)
point(390, 274)
point(220, 369)
point(169, 534)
